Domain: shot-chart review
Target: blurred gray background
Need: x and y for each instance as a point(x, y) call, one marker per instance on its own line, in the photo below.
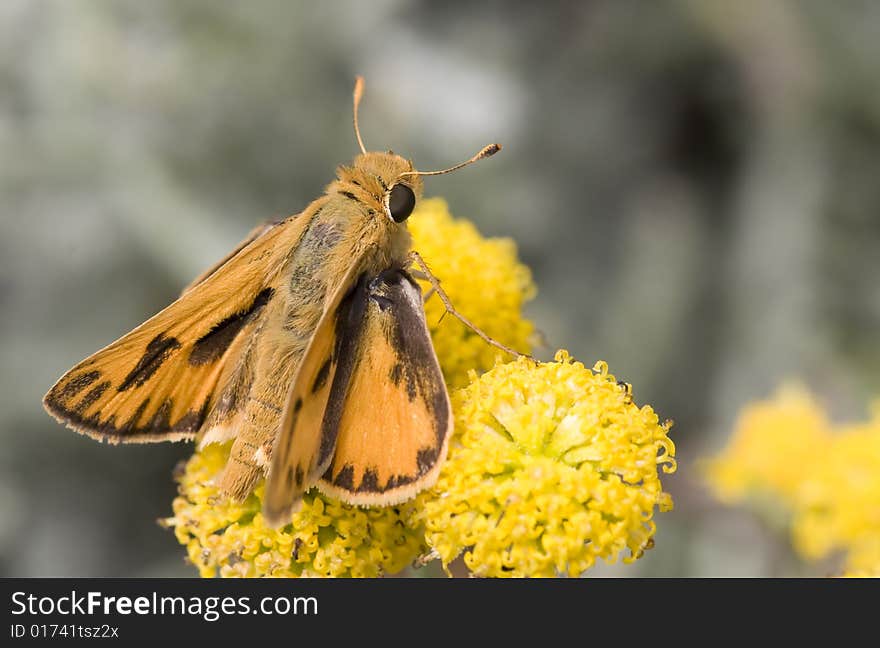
point(694, 184)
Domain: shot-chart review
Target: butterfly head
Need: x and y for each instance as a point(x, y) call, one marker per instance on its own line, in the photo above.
point(400, 183)
point(393, 185)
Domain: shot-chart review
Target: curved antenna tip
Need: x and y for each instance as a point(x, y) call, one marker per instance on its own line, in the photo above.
point(356, 95)
point(486, 151)
point(490, 150)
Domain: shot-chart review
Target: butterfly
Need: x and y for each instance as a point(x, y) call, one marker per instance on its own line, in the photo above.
point(306, 347)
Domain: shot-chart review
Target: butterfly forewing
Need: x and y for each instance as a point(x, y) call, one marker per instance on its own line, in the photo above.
point(393, 428)
point(297, 456)
point(252, 236)
point(158, 382)
point(379, 429)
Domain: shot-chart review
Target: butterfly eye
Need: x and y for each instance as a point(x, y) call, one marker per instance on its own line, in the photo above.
point(401, 202)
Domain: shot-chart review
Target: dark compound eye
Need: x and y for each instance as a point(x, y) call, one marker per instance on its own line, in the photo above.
point(401, 202)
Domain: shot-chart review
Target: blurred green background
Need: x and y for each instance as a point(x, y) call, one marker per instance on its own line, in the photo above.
point(694, 184)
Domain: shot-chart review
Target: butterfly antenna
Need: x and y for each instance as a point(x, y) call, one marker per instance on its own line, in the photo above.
point(487, 151)
point(358, 93)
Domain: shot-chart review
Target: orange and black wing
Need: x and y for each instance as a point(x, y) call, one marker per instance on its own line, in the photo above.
point(252, 236)
point(394, 423)
point(386, 416)
point(158, 382)
point(297, 455)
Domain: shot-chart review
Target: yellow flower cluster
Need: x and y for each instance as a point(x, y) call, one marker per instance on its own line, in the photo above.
point(771, 445)
point(551, 467)
point(485, 281)
point(824, 478)
point(326, 537)
point(839, 504)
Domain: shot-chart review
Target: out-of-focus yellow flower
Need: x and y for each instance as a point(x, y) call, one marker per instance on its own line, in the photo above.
point(825, 478)
point(839, 505)
point(485, 282)
point(863, 559)
point(326, 538)
point(551, 467)
point(772, 447)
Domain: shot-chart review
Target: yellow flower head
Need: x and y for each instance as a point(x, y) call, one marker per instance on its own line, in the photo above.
point(551, 466)
point(326, 538)
point(863, 556)
point(773, 445)
point(839, 506)
point(485, 282)
point(826, 478)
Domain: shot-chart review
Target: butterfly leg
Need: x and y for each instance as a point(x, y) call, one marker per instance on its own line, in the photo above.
point(418, 274)
point(435, 287)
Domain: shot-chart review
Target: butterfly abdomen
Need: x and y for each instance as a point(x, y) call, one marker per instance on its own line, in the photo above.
point(258, 392)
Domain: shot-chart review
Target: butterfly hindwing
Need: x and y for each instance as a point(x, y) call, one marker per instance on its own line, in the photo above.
point(157, 383)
